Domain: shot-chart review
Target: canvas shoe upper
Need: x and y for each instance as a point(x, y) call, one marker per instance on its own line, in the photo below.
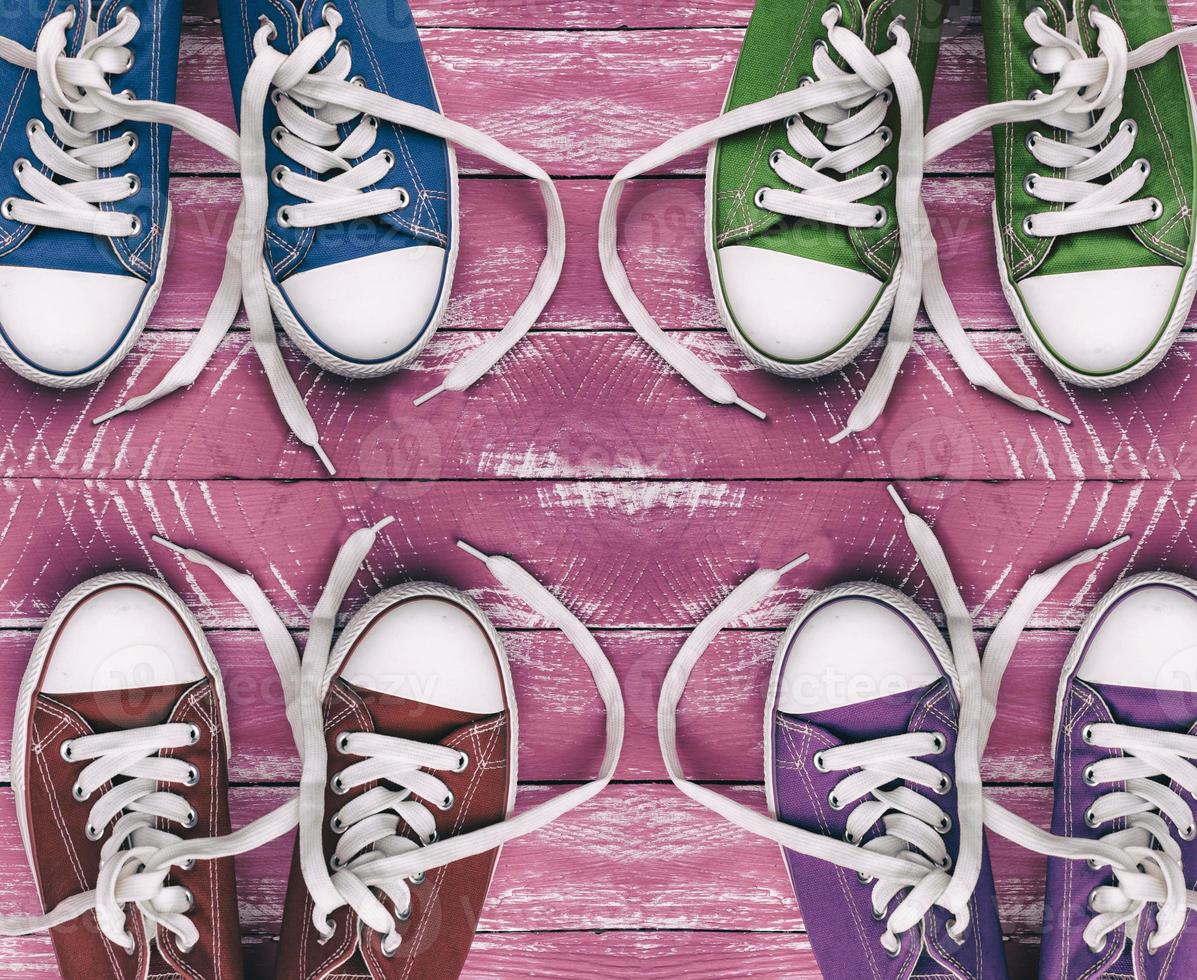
point(1126, 732)
point(84, 216)
point(407, 733)
point(874, 731)
point(120, 749)
point(347, 234)
point(1095, 184)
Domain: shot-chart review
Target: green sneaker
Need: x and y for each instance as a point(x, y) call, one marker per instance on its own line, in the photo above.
point(815, 228)
point(1095, 181)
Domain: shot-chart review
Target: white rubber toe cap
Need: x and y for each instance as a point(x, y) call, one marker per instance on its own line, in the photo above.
point(1101, 322)
point(432, 650)
point(1147, 639)
point(118, 638)
point(65, 322)
point(372, 308)
point(791, 308)
point(853, 650)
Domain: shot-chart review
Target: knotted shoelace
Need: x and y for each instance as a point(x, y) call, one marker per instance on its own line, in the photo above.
point(1144, 857)
point(908, 857)
point(852, 104)
point(372, 854)
point(325, 100)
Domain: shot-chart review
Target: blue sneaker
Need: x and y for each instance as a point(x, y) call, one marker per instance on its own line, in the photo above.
point(347, 235)
point(84, 151)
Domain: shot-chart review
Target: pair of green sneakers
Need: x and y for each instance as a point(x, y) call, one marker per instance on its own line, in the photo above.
point(816, 232)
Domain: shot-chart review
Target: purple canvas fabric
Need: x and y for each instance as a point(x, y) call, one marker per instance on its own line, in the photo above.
point(836, 905)
point(1065, 955)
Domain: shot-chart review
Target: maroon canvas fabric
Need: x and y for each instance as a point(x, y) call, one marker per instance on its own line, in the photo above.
point(447, 904)
point(66, 862)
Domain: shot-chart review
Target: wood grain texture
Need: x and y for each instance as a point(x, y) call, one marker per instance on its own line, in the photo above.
point(621, 555)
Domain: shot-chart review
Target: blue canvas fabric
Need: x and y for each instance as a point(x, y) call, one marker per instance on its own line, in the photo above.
point(152, 76)
point(388, 58)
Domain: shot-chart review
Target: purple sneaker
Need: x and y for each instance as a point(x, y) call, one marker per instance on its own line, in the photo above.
point(861, 733)
point(1126, 730)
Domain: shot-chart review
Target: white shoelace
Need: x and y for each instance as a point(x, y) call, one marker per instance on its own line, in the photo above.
point(333, 100)
point(1145, 857)
point(854, 103)
point(77, 99)
point(909, 856)
point(1085, 103)
point(371, 856)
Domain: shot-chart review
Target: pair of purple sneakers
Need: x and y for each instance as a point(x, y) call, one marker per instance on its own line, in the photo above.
point(874, 731)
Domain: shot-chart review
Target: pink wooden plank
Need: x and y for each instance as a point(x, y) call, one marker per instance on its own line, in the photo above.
point(594, 406)
point(585, 103)
point(561, 724)
point(620, 554)
point(693, 869)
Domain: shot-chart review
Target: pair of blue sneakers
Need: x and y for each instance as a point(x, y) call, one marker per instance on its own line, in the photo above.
point(347, 234)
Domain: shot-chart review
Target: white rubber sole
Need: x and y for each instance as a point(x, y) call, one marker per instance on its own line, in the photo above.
point(37, 663)
point(20, 366)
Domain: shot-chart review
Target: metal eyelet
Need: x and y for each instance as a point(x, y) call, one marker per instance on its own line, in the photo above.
point(277, 134)
point(193, 776)
point(886, 175)
point(276, 97)
point(1144, 166)
point(950, 929)
point(463, 760)
point(880, 217)
point(759, 200)
point(1028, 225)
point(19, 166)
point(404, 915)
point(1087, 734)
point(833, 801)
point(326, 10)
point(775, 158)
point(388, 157)
point(264, 21)
point(1089, 776)
point(863, 878)
point(344, 45)
point(1029, 183)
point(358, 81)
point(946, 863)
point(879, 916)
point(447, 802)
point(819, 761)
point(404, 198)
point(134, 183)
point(134, 225)
point(1091, 903)
point(887, 97)
point(945, 825)
point(892, 31)
point(188, 865)
point(945, 786)
point(67, 751)
point(792, 121)
point(190, 895)
point(193, 734)
point(1157, 209)
point(1130, 127)
point(1091, 820)
point(886, 134)
point(190, 820)
point(93, 833)
point(129, 62)
point(892, 953)
point(941, 742)
point(78, 794)
point(819, 45)
point(34, 126)
point(849, 837)
point(6, 208)
point(1189, 833)
point(278, 173)
point(131, 138)
point(284, 216)
point(431, 839)
point(343, 743)
point(418, 878)
point(389, 953)
point(337, 825)
point(336, 863)
point(1033, 62)
point(337, 785)
point(1033, 139)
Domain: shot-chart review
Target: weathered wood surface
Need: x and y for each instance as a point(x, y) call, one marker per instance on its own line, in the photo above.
point(561, 724)
point(621, 555)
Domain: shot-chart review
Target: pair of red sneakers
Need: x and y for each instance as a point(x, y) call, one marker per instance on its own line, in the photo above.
point(407, 729)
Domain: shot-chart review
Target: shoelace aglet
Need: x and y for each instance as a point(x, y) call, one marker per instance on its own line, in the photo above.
point(108, 416)
point(177, 549)
point(429, 395)
point(800, 560)
point(1107, 548)
point(840, 436)
point(385, 522)
point(750, 409)
point(323, 456)
point(469, 549)
point(893, 492)
point(1056, 416)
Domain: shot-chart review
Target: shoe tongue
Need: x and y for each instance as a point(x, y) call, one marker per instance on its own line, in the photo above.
point(415, 719)
point(878, 718)
point(1146, 707)
point(114, 711)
